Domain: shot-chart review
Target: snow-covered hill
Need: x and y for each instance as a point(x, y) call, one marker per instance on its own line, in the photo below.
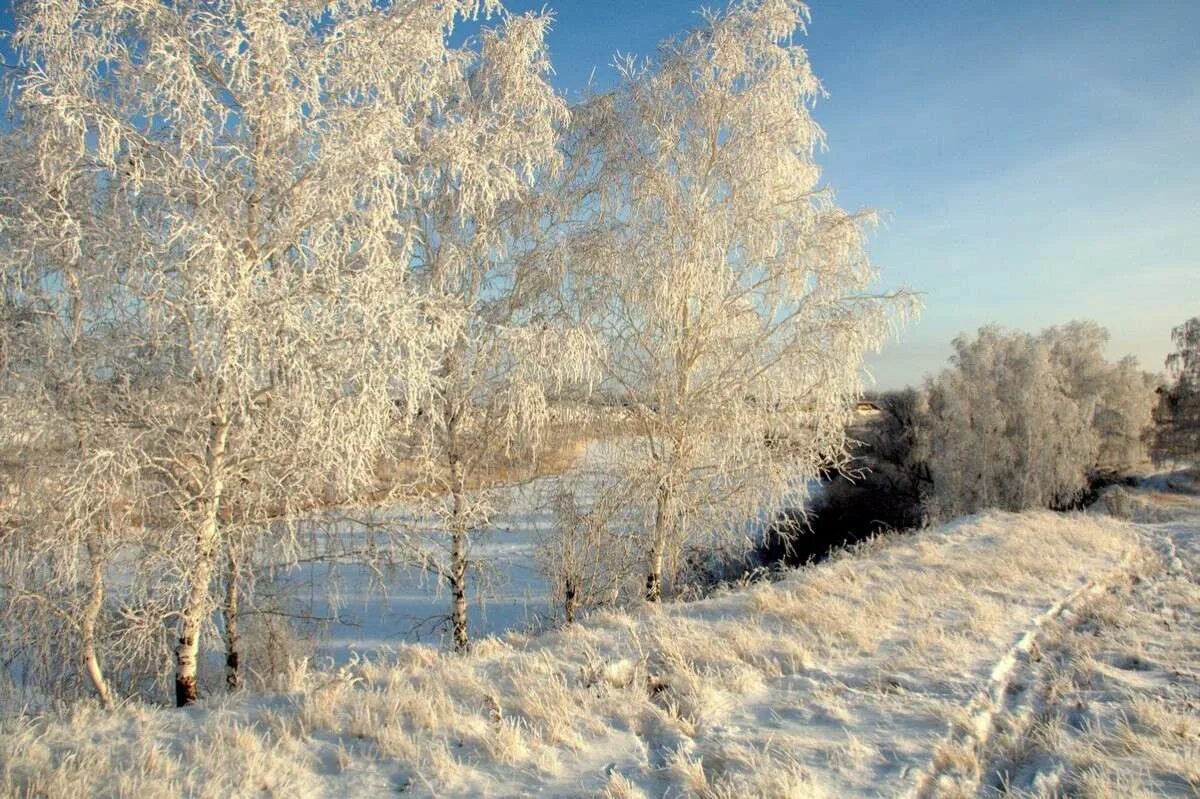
point(898, 669)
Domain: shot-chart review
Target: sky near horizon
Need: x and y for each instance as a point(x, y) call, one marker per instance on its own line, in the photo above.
point(1034, 162)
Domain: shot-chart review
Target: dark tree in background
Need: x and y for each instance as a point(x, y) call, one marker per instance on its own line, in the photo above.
point(1177, 433)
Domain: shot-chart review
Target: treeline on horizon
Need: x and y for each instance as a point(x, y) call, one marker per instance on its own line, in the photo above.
point(1017, 421)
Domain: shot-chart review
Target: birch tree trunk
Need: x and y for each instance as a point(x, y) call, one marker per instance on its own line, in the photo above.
point(95, 602)
point(453, 411)
point(570, 600)
point(658, 546)
point(458, 588)
point(207, 538)
point(87, 628)
point(233, 678)
point(187, 652)
point(458, 558)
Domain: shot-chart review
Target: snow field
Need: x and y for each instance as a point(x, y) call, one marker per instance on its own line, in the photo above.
point(839, 680)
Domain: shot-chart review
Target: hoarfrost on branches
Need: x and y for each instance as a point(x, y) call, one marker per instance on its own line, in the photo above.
point(214, 220)
point(483, 248)
point(1022, 421)
point(731, 292)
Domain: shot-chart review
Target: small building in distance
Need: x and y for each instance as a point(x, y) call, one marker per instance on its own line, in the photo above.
point(866, 409)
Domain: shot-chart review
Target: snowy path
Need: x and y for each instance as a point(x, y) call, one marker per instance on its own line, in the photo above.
point(953, 769)
point(1108, 704)
point(926, 623)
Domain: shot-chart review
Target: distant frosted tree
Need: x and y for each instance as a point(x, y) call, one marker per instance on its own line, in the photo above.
point(1005, 432)
point(1124, 418)
point(1184, 363)
point(229, 187)
point(1177, 436)
point(1118, 397)
point(1077, 349)
point(731, 292)
point(1021, 421)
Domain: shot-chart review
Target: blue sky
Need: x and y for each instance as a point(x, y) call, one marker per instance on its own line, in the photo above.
point(1035, 162)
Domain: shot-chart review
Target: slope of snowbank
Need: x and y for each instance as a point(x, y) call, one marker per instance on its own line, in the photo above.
point(846, 679)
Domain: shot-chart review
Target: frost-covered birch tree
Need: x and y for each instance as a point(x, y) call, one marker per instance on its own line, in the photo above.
point(233, 181)
point(1184, 362)
point(1004, 430)
point(482, 245)
point(71, 493)
point(1124, 418)
point(1117, 397)
point(732, 293)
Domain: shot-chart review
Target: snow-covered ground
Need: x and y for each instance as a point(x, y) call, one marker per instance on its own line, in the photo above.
point(364, 611)
point(899, 669)
point(1108, 704)
point(370, 612)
